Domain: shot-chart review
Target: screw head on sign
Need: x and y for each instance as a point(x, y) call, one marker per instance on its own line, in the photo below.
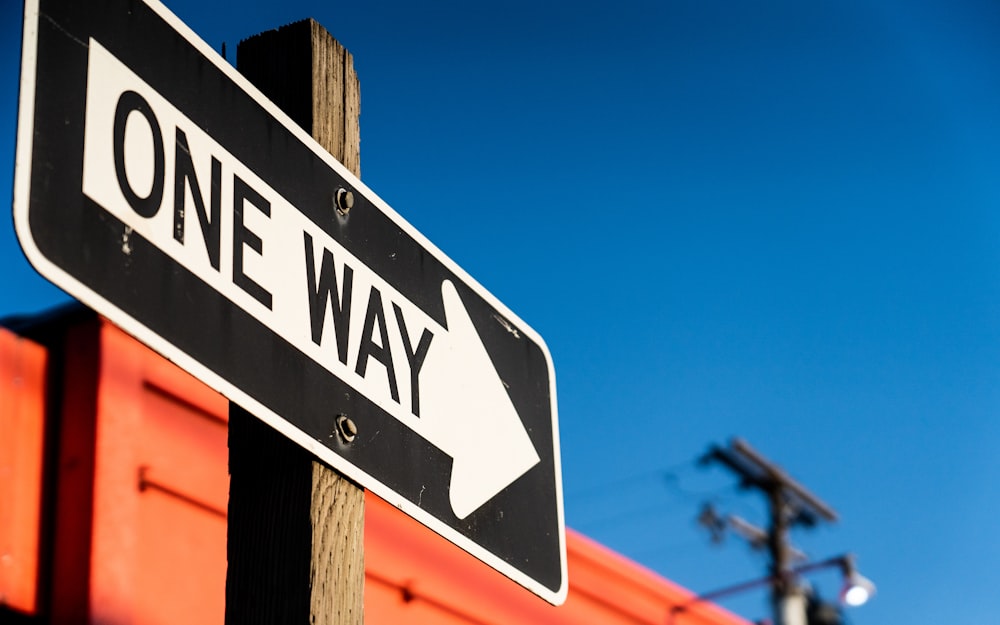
point(346, 428)
point(344, 201)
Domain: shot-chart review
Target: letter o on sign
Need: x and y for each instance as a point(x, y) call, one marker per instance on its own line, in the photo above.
point(130, 102)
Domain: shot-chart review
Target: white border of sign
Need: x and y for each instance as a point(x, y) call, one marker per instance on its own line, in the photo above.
point(22, 177)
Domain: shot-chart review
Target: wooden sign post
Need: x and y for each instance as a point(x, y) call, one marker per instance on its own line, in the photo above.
point(296, 527)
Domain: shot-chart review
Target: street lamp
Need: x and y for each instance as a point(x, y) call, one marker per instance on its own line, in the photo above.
point(856, 591)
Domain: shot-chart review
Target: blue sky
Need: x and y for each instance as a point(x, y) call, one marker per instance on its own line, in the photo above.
point(776, 221)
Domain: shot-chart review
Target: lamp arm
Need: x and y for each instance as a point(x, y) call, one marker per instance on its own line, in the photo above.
point(841, 561)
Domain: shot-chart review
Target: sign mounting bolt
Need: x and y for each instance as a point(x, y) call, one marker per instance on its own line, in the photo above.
point(344, 201)
point(346, 428)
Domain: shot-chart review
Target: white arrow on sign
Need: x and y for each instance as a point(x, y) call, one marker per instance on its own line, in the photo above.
point(171, 183)
point(479, 427)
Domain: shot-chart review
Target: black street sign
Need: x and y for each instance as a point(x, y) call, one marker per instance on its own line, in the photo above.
point(159, 187)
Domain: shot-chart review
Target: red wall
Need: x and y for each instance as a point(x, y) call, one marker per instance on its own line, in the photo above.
point(113, 478)
point(22, 419)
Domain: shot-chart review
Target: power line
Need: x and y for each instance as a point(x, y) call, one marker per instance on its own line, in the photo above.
point(603, 488)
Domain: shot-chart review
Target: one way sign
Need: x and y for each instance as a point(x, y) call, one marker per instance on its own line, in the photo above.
point(158, 186)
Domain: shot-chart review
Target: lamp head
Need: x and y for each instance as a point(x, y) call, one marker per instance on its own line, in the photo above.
point(857, 589)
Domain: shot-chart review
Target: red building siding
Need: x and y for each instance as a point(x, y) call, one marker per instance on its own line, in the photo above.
point(22, 422)
point(139, 503)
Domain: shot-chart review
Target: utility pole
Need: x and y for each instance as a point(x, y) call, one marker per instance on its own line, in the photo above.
point(789, 504)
